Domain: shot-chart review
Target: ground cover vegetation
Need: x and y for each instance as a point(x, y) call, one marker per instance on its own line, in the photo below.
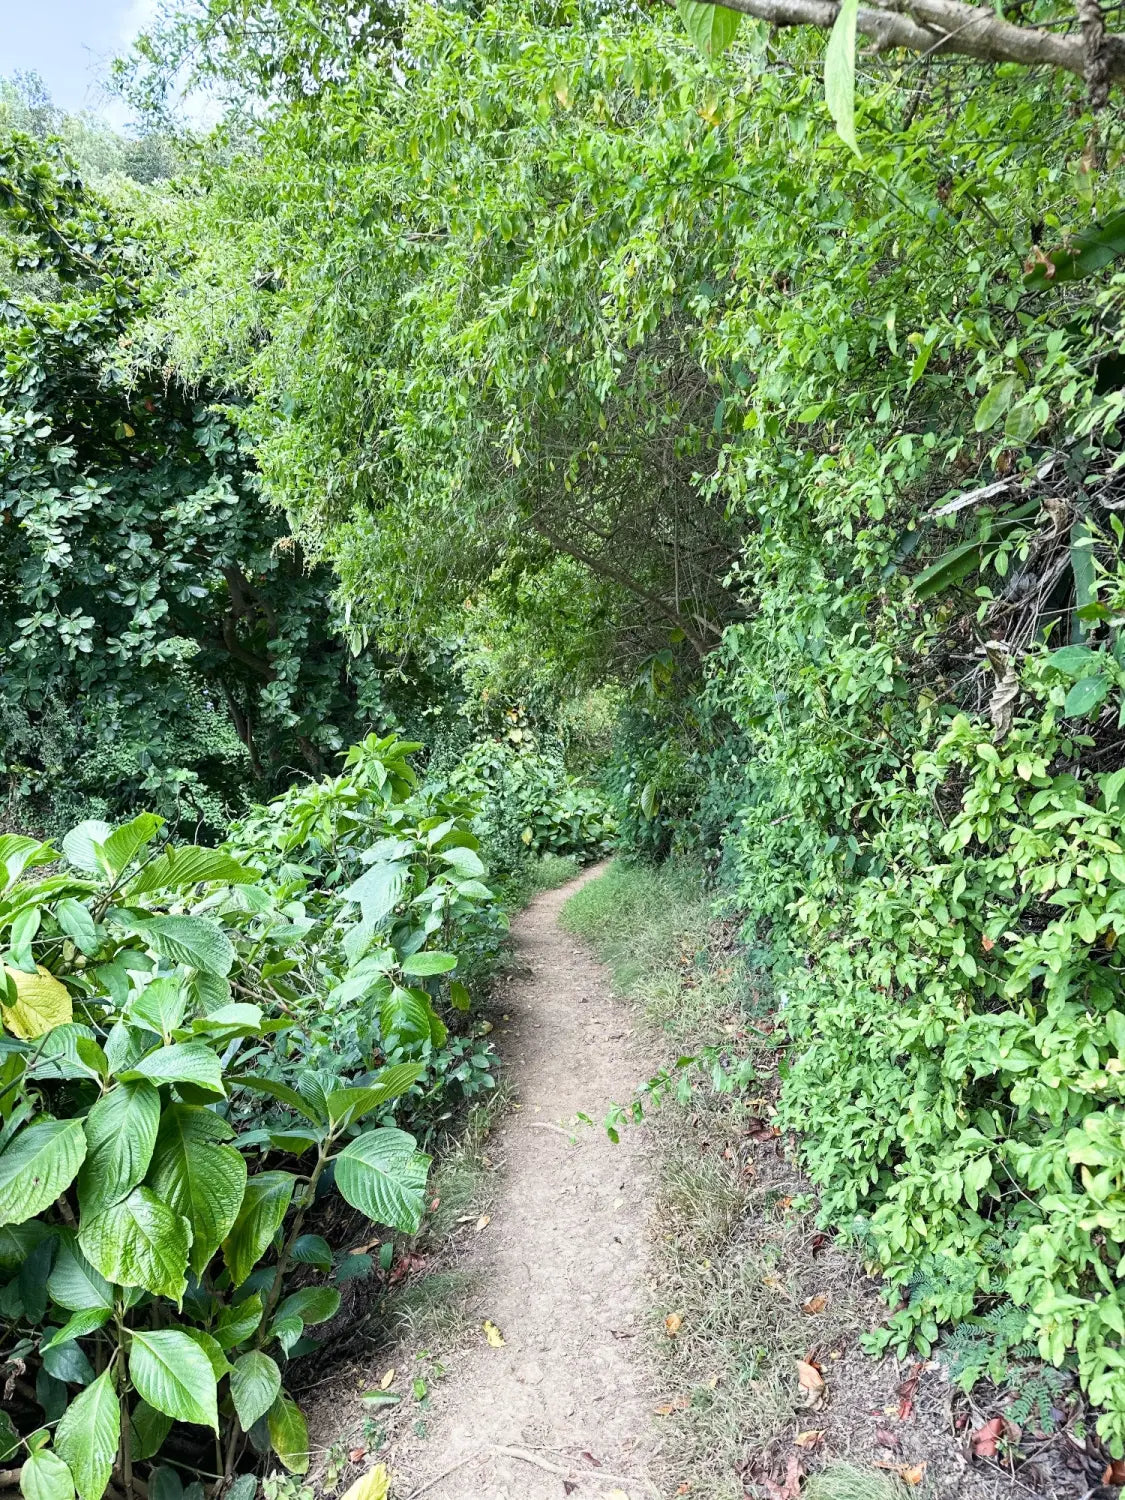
point(777, 385)
point(830, 426)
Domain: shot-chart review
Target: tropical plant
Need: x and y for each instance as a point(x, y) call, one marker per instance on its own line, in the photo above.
point(157, 1000)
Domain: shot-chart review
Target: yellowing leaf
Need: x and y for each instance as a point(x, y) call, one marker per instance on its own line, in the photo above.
point(483, 1222)
point(815, 1304)
point(673, 1323)
point(493, 1334)
point(42, 1004)
point(387, 1380)
point(374, 1485)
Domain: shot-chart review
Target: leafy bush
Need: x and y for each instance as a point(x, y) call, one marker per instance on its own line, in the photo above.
point(529, 804)
point(177, 1022)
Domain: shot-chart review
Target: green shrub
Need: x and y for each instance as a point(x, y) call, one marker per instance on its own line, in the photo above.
point(196, 1043)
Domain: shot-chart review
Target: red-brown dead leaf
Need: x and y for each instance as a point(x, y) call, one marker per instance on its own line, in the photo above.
point(986, 1438)
point(569, 1486)
point(1114, 1472)
point(790, 1487)
point(988, 944)
point(887, 1439)
point(597, 1463)
point(673, 1323)
point(356, 1455)
point(912, 1473)
point(819, 1242)
point(815, 1304)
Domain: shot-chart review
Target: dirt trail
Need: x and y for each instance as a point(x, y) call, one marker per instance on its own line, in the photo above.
point(561, 1267)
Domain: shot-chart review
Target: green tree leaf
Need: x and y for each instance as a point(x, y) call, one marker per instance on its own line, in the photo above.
point(196, 942)
point(995, 402)
point(88, 1434)
point(39, 1164)
point(312, 1304)
point(182, 1062)
point(198, 1176)
point(383, 1174)
point(711, 27)
point(173, 1374)
point(73, 1282)
point(239, 1321)
point(289, 1434)
point(255, 1384)
point(345, 1106)
point(264, 1206)
point(44, 1476)
point(839, 72)
point(1085, 695)
point(425, 964)
point(139, 1242)
point(120, 1135)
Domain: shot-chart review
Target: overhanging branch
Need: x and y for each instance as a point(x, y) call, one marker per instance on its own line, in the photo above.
point(943, 26)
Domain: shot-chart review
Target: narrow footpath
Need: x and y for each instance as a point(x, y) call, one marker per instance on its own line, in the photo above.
point(559, 1408)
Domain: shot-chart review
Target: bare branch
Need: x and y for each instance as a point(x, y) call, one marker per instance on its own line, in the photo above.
point(937, 26)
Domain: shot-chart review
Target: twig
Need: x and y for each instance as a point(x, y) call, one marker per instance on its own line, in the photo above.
point(445, 1473)
point(545, 1125)
point(544, 1463)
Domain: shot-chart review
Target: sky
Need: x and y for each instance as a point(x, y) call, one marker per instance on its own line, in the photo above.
point(69, 43)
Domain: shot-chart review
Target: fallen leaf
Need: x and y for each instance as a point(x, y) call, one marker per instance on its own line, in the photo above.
point(356, 1455)
point(673, 1323)
point(912, 1473)
point(493, 1334)
point(808, 1440)
point(1115, 1472)
point(809, 1376)
point(685, 1488)
point(677, 1403)
point(374, 1485)
point(790, 1489)
point(712, 1382)
point(387, 1380)
point(815, 1304)
point(569, 1486)
point(887, 1439)
point(435, 1204)
point(597, 1463)
point(616, 1495)
point(986, 1438)
point(483, 1222)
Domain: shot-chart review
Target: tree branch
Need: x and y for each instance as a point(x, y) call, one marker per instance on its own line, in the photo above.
point(937, 26)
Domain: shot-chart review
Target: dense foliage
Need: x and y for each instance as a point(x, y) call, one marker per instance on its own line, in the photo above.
point(584, 355)
point(564, 287)
point(199, 1045)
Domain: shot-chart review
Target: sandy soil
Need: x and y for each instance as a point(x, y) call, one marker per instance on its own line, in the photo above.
point(562, 1262)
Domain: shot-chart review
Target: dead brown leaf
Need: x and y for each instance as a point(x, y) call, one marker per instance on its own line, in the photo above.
point(809, 1440)
point(986, 1437)
point(811, 1382)
point(790, 1487)
point(1114, 1472)
point(887, 1439)
point(677, 1403)
point(673, 1323)
point(815, 1304)
point(356, 1455)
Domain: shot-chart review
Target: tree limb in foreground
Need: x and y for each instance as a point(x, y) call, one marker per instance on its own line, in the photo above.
point(943, 26)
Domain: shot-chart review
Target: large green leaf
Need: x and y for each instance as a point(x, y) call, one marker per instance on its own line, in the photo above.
point(405, 1016)
point(264, 1205)
point(75, 920)
point(275, 1089)
point(839, 72)
point(39, 1164)
point(44, 1476)
point(139, 1242)
point(73, 1282)
point(239, 1321)
point(312, 1304)
point(711, 27)
point(185, 865)
point(1085, 695)
point(127, 841)
point(348, 1105)
point(173, 1374)
point(82, 845)
point(198, 1176)
point(120, 1135)
point(196, 942)
point(255, 1384)
point(425, 964)
point(378, 891)
point(289, 1434)
point(182, 1062)
point(1088, 252)
point(78, 1325)
point(160, 1006)
point(149, 1428)
point(383, 1174)
point(88, 1434)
